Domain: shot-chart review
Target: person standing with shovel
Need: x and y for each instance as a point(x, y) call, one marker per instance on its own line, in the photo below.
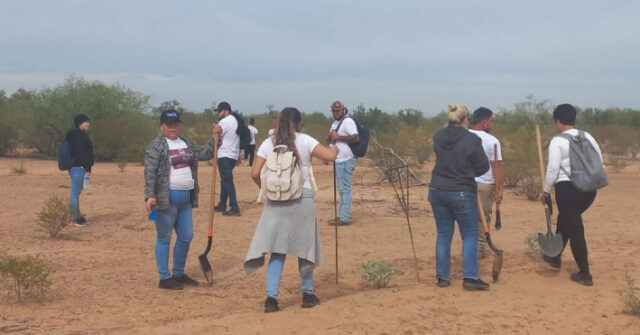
point(571, 201)
point(171, 186)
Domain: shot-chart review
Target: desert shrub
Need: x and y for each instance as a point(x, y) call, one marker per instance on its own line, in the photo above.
point(54, 216)
point(531, 241)
point(28, 276)
point(532, 188)
point(122, 164)
point(631, 297)
point(20, 169)
point(378, 272)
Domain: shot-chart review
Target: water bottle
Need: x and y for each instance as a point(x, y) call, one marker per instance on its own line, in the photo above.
point(86, 182)
point(154, 212)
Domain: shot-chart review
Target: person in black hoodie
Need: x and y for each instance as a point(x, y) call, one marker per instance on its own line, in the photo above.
point(452, 194)
point(82, 153)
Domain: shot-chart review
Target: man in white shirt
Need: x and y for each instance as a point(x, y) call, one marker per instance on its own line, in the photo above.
point(571, 202)
point(228, 154)
point(343, 131)
point(490, 184)
point(250, 150)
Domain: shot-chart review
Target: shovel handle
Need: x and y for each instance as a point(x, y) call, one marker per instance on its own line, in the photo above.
point(483, 219)
point(213, 184)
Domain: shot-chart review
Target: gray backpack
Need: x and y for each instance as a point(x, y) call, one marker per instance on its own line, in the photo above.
point(587, 171)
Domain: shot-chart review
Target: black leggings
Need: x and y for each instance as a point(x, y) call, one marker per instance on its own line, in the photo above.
point(571, 204)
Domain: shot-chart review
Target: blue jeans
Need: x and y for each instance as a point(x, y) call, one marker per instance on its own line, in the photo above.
point(177, 218)
point(77, 183)
point(274, 272)
point(227, 189)
point(462, 207)
point(344, 171)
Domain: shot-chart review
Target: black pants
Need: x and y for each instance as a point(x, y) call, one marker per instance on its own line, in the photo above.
point(571, 204)
point(227, 189)
point(249, 152)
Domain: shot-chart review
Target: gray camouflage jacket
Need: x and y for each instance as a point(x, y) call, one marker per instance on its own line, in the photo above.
point(157, 168)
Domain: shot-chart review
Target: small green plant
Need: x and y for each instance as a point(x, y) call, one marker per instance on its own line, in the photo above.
point(532, 189)
point(28, 276)
point(532, 243)
point(20, 169)
point(54, 216)
point(631, 297)
point(122, 164)
point(378, 272)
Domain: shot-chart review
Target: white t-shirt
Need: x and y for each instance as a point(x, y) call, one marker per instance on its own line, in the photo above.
point(347, 128)
point(181, 157)
point(305, 145)
point(488, 142)
point(559, 166)
point(230, 147)
point(254, 131)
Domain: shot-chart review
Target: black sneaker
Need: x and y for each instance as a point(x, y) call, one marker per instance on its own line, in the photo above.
point(474, 284)
point(170, 284)
point(309, 300)
point(186, 280)
point(220, 208)
point(271, 305)
point(554, 262)
point(581, 278)
point(232, 212)
point(338, 222)
point(443, 282)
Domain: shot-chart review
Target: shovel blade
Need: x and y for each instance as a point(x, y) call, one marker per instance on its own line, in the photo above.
point(551, 245)
point(497, 265)
point(205, 266)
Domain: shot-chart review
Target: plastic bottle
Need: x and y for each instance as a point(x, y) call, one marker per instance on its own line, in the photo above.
point(154, 212)
point(86, 182)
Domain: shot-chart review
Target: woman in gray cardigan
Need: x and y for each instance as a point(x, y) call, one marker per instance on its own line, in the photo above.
point(171, 185)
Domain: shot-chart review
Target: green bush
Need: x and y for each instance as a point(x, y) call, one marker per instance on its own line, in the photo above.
point(28, 276)
point(54, 216)
point(378, 272)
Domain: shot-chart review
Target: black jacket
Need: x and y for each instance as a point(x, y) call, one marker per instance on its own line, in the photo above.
point(81, 149)
point(459, 159)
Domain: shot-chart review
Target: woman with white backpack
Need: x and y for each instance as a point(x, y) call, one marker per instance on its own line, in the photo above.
point(288, 224)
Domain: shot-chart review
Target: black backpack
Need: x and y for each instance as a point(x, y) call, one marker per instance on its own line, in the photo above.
point(359, 148)
point(65, 159)
point(243, 131)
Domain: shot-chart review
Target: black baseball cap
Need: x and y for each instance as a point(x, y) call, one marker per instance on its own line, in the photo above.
point(223, 106)
point(169, 116)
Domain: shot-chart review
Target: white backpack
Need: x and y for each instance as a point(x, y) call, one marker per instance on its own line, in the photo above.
point(280, 177)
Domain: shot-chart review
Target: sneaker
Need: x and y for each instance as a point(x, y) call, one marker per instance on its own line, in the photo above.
point(554, 262)
point(170, 284)
point(76, 224)
point(580, 278)
point(271, 305)
point(474, 284)
point(309, 300)
point(338, 222)
point(82, 221)
point(220, 208)
point(232, 212)
point(186, 280)
point(443, 282)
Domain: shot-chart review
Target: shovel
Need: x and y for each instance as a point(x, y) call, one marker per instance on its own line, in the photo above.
point(498, 219)
point(551, 244)
point(205, 266)
point(498, 260)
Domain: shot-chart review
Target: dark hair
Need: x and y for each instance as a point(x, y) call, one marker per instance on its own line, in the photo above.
point(566, 114)
point(252, 121)
point(288, 124)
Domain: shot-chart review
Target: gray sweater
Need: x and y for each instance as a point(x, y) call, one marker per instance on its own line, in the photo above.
point(157, 169)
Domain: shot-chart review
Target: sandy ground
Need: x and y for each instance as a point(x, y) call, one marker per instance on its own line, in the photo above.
point(105, 279)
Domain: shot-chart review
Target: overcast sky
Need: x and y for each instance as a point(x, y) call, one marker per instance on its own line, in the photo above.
point(390, 54)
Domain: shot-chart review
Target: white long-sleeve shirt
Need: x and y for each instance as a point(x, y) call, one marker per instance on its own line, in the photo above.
point(559, 166)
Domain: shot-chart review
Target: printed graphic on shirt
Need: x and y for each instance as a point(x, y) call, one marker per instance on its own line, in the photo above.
point(181, 158)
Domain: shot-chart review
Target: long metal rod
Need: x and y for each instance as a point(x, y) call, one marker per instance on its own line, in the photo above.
point(335, 212)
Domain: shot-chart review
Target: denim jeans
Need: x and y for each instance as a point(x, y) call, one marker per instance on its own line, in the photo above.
point(77, 183)
point(274, 272)
point(227, 189)
point(450, 206)
point(177, 218)
point(344, 171)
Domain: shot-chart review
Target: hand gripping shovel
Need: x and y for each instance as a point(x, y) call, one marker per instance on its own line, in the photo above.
point(497, 261)
point(550, 244)
point(205, 266)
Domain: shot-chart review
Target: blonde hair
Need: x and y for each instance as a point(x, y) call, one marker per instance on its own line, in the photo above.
point(457, 114)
